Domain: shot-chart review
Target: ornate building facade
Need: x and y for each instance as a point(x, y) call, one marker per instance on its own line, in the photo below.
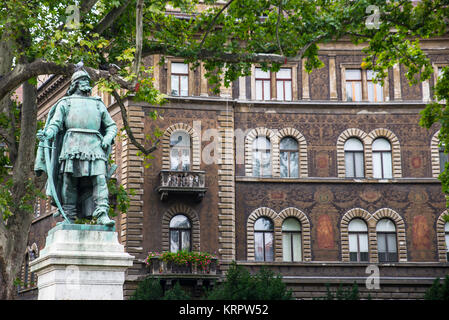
point(324, 177)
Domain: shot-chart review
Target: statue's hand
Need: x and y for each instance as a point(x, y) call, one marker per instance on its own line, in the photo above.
point(45, 135)
point(105, 144)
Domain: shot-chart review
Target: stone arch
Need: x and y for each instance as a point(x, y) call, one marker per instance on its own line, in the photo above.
point(270, 134)
point(400, 230)
point(441, 240)
point(435, 154)
point(305, 231)
point(347, 217)
point(345, 135)
point(260, 212)
point(395, 149)
point(302, 143)
point(196, 147)
point(193, 217)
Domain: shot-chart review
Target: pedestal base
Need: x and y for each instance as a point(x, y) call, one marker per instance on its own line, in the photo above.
point(81, 262)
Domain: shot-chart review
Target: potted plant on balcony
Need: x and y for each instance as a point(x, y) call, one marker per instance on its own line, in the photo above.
point(182, 262)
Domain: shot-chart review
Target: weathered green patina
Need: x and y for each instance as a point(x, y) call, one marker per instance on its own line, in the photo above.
point(79, 132)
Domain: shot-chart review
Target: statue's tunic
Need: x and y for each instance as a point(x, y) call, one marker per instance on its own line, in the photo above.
point(82, 119)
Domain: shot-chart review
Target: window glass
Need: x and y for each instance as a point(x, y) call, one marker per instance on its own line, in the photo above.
point(385, 225)
point(381, 144)
point(354, 158)
point(289, 157)
point(177, 67)
point(353, 144)
point(180, 139)
point(180, 221)
point(357, 225)
point(263, 224)
point(284, 73)
point(261, 157)
point(180, 232)
point(263, 237)
point(291, 224)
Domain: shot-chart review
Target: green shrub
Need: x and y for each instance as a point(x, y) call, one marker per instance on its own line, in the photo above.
point(148, 289)
point(241, 285)
point(176, 293)
point(438, 290)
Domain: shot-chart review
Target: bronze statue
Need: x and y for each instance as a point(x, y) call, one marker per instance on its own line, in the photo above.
point(74, 150)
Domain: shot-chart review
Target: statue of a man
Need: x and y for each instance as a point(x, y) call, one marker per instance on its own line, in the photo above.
point(79, 133)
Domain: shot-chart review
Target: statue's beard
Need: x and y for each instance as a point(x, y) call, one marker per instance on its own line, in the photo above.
point(85, 89)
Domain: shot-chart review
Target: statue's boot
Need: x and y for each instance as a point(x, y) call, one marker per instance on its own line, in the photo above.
point(101, 200)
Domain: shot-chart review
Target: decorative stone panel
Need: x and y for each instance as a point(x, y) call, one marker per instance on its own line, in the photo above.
point(194, 220)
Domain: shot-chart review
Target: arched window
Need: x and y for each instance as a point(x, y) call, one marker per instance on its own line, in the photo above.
point(446, 235)
point(263, 239)
point(354, 160)
point(386, 241)
point(291, 240)
point(358, 240)
point(289, 153)
point(382, 163)
point(261, 157)
point(180, 151)
point(180, 233)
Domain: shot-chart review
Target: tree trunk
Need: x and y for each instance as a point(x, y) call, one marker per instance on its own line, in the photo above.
point(14, 231)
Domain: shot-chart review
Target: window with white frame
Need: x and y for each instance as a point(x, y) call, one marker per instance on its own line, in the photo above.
point(289, 153)
point(284, 84)
point(261, 157)
point(382, 161)
point(263, 84)
point(291, 240)
point(180, 155)
point(353, 84)
point(264, 239)
point(386, 241)
point(179, 79)
point(354, 158)
point(358, 240)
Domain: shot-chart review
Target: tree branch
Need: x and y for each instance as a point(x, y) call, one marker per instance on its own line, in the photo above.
point(23, 72)
point(128, 129)
point(110, 18)
point(139, 36)
point(211, 24)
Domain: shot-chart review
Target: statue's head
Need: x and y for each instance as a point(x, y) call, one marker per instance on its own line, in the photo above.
point(80, 83)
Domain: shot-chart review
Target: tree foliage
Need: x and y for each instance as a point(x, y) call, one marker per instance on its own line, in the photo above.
point(42, 37)
point(438, 290)
point(239, 284)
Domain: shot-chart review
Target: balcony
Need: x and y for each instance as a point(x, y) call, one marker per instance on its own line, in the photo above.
point(158, 267)
point(182, 182)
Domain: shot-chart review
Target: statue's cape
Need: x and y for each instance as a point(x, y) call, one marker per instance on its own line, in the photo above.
point(56, 146)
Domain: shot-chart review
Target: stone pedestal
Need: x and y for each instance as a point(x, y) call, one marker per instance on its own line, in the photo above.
point(81, 262)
